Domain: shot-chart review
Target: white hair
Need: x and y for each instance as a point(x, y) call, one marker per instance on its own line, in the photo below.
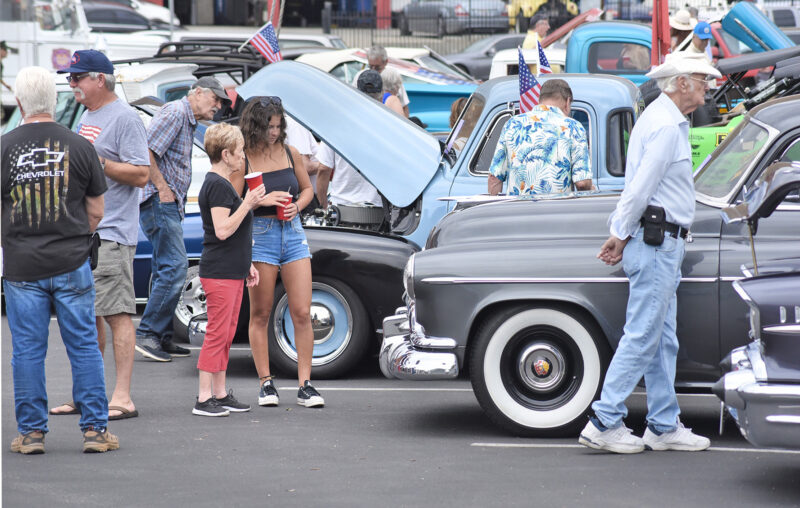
point(35, 89)
point(111, 81)
point(670, 83)
point(392, 81)
point(377, 52)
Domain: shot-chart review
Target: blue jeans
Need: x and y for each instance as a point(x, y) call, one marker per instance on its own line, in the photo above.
point(28, 307)
point(161, 223)
point(649, 346)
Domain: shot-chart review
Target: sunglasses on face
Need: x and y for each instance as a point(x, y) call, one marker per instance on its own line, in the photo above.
point(74, 78)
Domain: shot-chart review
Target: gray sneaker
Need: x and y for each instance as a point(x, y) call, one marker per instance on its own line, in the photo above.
point(618, 440)
point(151, 348)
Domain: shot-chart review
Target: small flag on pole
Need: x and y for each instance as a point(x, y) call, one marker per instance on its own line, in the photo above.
point(529, 87)
point(266, 42)
point(544, 65)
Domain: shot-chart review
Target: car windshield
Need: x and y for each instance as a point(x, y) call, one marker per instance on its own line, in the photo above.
point(479, 45)
point(465, 124)
point(735, 46)
point(720, 175)
point(435, 65)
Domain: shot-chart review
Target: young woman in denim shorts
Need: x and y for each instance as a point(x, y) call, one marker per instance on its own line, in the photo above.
point(279, 245)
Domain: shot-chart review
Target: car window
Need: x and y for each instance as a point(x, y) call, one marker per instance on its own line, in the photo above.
point(480, 164)
point(783, 17)
point(100, 16)
point(465, 124)
point(68, 110)
point(347, 71)
point(176, 93)
point(509, 43)
point(730, 160)
point(735, 46)
point(131, 18)
point(299, 44)
point(618, 58)
point(338, 43)
point(620, 124)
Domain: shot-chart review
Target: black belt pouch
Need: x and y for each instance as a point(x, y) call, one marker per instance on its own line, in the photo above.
point(654, 219)
point(94, 256)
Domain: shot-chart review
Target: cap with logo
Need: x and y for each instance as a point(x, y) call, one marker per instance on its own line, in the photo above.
point(89, 60)
point(212, 84)
point(702, 30)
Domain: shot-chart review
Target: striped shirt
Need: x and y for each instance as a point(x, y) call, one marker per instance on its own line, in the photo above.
point(169, 136)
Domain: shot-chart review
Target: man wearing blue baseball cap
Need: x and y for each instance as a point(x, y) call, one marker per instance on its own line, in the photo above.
point(701, 36)
point(120, 139)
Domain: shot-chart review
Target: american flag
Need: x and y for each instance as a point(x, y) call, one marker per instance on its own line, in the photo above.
point(528, 86)
point(266, 42)
point(544, 65)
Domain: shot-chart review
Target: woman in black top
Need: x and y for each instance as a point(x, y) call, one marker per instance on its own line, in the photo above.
point(224, 263)
point(279, 244)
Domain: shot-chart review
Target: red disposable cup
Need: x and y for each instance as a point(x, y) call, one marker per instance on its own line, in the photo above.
point(282, 209)
point(253, 180)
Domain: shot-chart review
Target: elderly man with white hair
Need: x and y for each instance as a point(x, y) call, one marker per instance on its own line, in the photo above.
point(648, 231)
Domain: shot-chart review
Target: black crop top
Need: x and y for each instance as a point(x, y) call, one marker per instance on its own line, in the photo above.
point(280, 180)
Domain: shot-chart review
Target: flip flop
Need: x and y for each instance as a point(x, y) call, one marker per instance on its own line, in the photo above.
point(124, 413)
point(73, 411)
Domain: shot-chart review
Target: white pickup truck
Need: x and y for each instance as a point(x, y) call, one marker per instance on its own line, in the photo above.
point(47, 32)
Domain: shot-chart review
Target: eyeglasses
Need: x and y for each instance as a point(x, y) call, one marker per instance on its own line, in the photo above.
point(266, 100)
point(708, 81)
point(74, 78)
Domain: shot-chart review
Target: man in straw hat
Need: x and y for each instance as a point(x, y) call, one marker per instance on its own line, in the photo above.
point(648, 230)
point(681, 25)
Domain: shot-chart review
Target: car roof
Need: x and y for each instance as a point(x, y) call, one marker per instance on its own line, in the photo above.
point(779, 113)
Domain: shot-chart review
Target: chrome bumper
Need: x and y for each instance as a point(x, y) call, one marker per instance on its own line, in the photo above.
point(767, 413)
point(406, 353)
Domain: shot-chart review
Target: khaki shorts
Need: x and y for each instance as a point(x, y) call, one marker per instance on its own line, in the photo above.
point(113, 280)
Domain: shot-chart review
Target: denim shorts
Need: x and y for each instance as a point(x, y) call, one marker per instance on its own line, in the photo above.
point(278, 242)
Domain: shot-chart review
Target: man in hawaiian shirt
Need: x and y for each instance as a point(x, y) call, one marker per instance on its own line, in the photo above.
point(543, 151)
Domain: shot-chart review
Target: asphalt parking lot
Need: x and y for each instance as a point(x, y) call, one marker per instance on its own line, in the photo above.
point(376, 443)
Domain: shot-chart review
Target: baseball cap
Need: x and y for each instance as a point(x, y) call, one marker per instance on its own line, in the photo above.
point(212, 84)
point(537, 18)
point(370, 81)
point(5, 46)
point(702, 30)
point(89, 60)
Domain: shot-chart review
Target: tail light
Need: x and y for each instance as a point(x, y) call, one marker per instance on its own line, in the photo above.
point(460, 11)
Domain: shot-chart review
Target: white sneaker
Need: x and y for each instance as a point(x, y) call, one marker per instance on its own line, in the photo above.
point(619, 440)
point(681, 439)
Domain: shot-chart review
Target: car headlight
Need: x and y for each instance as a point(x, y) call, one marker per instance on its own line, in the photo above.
point(755, 315)
point(408, 277)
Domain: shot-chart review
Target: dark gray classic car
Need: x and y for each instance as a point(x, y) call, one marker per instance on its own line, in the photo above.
point(514, 291)
point(762, 388)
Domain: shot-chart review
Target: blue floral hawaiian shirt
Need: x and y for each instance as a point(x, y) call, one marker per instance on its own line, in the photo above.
point(541, 152)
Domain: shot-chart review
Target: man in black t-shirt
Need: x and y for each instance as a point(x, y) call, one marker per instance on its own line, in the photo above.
point(52, 200)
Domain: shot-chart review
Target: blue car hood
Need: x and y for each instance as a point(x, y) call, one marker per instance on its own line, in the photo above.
point(745, 20)
point(393, 154)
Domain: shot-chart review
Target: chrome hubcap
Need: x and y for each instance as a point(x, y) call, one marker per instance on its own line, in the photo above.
point(541, 367)
point(322, 322)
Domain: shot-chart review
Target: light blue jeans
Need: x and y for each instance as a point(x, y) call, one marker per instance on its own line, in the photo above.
point(649, 345)
point(162, 225)
point(28, 307)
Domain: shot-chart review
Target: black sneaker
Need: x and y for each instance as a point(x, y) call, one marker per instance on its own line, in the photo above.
point(210, 407)
point(268, 395)
point(151, 348)
point(173, 349)
point(308, 396)
point(229, 402)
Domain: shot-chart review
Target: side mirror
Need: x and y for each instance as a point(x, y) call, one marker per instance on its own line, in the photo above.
point(491, 52)
point(774, 184)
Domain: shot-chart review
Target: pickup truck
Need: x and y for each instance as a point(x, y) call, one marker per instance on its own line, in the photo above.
point(48, 34)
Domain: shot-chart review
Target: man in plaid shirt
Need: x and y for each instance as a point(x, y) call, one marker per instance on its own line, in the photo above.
point(169, 138)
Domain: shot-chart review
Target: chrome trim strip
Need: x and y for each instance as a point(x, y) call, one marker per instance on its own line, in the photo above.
point(792, 419)
point(730, 279)
point(772, 390)
point(787, 329)
point(544, 280)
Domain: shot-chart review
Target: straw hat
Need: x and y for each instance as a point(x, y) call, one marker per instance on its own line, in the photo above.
point(682, 20)
point(684, 63)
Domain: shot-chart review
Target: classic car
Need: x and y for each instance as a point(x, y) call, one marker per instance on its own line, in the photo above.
point(502, 286)
point(476, 59)
point(442, 17)
point(761, 389)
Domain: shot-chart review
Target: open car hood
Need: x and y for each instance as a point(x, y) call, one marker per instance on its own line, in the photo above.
point(749, 25)
point(393, 154)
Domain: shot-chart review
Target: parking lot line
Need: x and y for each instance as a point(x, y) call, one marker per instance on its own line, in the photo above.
point(566, 446)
